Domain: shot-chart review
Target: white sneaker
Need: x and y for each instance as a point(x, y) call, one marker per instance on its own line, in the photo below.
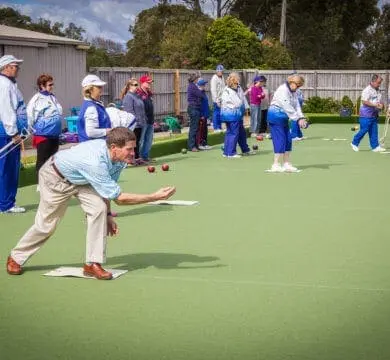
point(204, 147)
point(253, 135)
point(289, 168)
point(268, 136)
point(236, 156)
point(15, 210)
point(277, 168)
point(355, 148)
point(297, 139)
point(379, 149)
point(217, 131)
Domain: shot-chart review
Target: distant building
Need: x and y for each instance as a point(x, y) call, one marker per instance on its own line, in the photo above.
point(61, 57)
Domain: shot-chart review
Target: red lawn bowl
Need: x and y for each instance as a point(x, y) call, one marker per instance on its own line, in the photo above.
point(165, 167)
point(151, 169)
point(259, 138)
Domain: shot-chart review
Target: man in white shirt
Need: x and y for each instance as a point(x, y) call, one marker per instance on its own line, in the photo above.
point(13, 120)
point(368, 118)
point(217, 84)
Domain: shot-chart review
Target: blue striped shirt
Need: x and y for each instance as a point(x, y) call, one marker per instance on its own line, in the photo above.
point(90, 163)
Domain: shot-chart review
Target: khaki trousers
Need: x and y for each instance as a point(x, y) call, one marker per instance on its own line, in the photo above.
point(55, 194)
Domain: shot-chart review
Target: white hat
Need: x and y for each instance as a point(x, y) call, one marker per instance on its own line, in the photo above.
point(9, 59)
point(92, 80)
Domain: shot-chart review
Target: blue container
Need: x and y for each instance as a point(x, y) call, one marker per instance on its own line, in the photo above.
point(71, 123)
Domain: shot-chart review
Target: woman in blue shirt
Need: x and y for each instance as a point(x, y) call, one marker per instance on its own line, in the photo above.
point(44, 114)
point(93, 121)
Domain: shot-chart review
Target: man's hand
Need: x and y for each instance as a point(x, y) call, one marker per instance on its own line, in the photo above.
point(379, 106)
point(112, 227)
point(16, 139)
point(165, 193)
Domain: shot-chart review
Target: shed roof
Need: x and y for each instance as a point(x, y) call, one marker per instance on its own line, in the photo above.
point(17, 34)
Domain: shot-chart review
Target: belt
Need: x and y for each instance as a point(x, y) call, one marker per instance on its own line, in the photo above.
point(58, 172)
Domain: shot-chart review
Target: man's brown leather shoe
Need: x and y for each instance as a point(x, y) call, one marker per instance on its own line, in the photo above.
point(13, 268)
point(96, 270)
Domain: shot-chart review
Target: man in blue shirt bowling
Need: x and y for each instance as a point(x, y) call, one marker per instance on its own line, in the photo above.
point(88, 171)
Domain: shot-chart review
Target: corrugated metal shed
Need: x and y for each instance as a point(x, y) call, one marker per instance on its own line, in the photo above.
point(61, 57)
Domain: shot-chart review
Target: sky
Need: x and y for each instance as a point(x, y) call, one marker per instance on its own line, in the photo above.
point(106, 18)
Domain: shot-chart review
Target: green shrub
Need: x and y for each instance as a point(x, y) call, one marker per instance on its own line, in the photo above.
point(318, 105)
point(347, 103)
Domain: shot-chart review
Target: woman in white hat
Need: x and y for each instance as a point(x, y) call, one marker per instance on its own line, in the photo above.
point(93, 121)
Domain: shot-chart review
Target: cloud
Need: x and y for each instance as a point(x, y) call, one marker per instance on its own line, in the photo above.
point(105, 18)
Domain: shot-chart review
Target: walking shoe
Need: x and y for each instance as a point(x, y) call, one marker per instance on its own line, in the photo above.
point(95, 270)
point(14, 210)
point(379, 149)
point(195, 149)
point(253, 135)
point(289, 168)
point(217, 131)
point(297, 139)
point(355, 148)
point(13, 268)
point(276, 168)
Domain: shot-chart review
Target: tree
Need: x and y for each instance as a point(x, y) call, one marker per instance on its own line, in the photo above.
point(72, 31)
point(187, 50)
point(376, 43)
point(320, 33)
point(110, 46)
point(12, 17)
point(231, 43)
point(159, 26)
point(275, 55)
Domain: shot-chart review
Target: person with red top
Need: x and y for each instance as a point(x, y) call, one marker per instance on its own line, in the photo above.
point(256, 95)
point(145, 92)
point(44, 114)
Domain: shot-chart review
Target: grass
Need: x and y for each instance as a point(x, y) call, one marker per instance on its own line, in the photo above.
point(267, 266)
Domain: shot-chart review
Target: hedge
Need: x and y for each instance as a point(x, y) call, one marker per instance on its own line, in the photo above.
point(336, 119)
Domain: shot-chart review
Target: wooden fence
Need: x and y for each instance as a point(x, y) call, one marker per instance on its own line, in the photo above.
point(170, 85)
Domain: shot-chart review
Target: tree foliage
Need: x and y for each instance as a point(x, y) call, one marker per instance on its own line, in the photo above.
point(320, 33)
point(231, 43)
point(162, 32)
point(376, 42)
point(12, 17)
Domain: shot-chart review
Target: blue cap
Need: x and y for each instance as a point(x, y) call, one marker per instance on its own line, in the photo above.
point(201, 82)
point(258, 78)
point(220, 68)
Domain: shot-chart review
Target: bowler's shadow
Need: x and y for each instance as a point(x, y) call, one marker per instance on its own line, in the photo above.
point(165, 261)
point(319, 166)
point(139, 261)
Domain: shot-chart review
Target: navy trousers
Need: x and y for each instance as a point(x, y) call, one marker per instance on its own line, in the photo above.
point(9, 176)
